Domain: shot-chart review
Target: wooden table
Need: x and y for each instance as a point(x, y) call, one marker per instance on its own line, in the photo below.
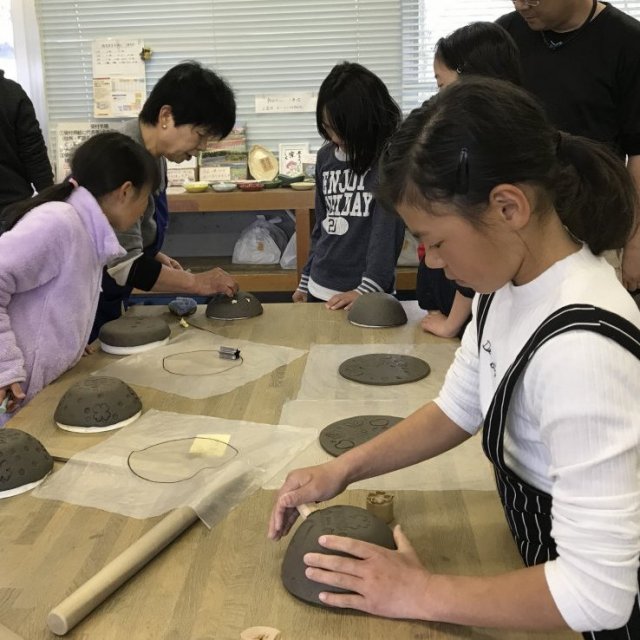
point(213, 584)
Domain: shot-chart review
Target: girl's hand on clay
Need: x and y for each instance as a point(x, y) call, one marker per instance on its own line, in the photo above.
point(311, 484)
point(393, 584)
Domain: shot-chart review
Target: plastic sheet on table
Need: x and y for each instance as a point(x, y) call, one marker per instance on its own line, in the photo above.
point(242, 456)
point(190, 365)
point(321, 380)
point(464, 467)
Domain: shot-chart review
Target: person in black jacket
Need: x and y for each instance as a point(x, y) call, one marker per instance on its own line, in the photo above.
point(24, 163)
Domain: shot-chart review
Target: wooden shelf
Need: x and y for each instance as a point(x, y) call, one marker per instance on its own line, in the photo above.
point(263, 277)
point(250, 277)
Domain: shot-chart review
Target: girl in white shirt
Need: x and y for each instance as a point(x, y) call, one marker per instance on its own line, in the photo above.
point(548, 368)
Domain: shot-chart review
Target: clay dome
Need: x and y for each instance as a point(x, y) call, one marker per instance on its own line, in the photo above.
point(97, 403)
point(377, 310)
point(242, 305)
point(125, 336)
point(341, 520)
point(24, 462)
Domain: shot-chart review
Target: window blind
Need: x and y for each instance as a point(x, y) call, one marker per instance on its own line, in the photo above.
point(283, 46)
point(260, 48)
point(425, 21)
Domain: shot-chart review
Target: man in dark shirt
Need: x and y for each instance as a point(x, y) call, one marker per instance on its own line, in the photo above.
point(582, 59)
point(24, 163)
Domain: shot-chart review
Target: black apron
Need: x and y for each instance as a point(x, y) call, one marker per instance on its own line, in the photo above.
point(527, 509)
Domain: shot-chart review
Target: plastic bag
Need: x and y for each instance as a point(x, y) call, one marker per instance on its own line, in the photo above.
point(262, 242)
point(409, 254)
point(289, 255)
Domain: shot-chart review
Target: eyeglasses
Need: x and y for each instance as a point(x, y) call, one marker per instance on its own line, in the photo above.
point(527, 3)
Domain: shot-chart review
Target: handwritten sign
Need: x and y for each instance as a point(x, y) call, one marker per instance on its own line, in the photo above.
point(68, 136)
point(118, 77)
point(286, 102)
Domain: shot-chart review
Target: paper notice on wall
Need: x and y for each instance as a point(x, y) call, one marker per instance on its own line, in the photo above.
point(303, 102)
point(68, 136)
point(118, 77)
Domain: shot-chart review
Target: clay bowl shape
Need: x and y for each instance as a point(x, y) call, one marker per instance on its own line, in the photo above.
point(250, 185)
point(195, 187)
point(377, 310)
point(272, 184)
point(302, 186)
point(223, 186)
point(340, 520)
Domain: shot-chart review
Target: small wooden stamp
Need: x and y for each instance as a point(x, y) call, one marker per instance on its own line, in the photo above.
point(380, 503)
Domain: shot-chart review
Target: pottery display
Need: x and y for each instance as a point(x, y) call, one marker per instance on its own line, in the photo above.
point(384, 369)
point(302, 186)
point(341, 520)
point(223, 186)
point(195, 187)
point(262, 164)
point(250, 185)
point(242, 305)
point(377, 310)
point(97, 403)
point(125, 335)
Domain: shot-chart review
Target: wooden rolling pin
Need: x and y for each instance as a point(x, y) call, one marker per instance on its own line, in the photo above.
point(97, 589)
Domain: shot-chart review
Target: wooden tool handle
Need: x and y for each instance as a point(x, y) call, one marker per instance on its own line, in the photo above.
point(86, 598)
point(305, 510)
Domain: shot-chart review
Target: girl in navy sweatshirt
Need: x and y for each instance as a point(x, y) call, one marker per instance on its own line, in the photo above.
point(355, 243)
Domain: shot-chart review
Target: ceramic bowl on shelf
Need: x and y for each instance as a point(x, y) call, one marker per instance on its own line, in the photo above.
point(250, 185)
point(287, 180)
point(195, 187)
point(262, 163)
point(302, 186)
point(272, 184)
point(223, 186)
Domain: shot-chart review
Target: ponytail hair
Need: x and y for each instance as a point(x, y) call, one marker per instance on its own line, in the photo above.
point(483, 49)
point(481, 132)
point(101, 165)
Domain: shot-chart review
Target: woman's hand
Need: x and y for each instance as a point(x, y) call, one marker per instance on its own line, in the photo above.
point(214, 281)
point(311, 484)
point(393, 584)
point(342, 300)
point(164, 259)
point(15, 394)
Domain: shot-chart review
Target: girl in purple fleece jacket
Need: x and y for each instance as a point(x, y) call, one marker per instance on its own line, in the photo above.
point(53, 248)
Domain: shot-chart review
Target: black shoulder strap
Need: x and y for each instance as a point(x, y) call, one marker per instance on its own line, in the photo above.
point(484, 302)
point(570, 318)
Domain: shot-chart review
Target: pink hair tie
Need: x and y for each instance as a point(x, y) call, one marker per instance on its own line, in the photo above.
point(73, 181)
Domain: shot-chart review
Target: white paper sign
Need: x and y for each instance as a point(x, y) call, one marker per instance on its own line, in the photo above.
point(215, 174)
point(118, 77)
point(68, 136)
point(304, 102)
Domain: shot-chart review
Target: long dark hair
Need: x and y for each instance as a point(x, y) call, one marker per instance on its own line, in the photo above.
point(481, 132)
point(100, 164)
point(361, 111)
point(481, 48)
point(196, 95)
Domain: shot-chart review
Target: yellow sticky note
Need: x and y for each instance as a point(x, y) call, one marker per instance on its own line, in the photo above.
point(210, 444)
